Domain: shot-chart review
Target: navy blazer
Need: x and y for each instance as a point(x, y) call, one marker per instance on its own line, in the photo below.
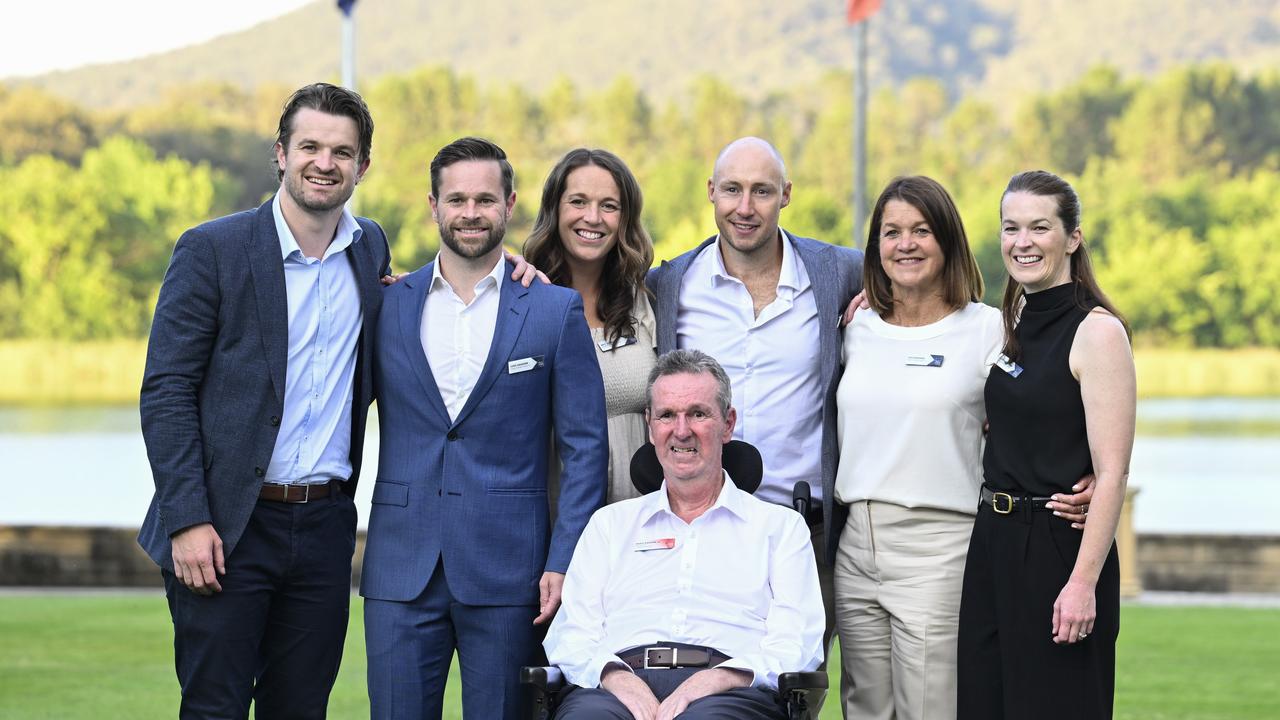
point(472, 492)
point(835, 273)
point(213, 388)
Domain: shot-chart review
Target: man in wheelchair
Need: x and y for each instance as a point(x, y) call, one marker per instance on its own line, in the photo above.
point(692, 600)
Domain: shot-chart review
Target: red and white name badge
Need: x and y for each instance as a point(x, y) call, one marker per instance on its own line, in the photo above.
point(659, 544)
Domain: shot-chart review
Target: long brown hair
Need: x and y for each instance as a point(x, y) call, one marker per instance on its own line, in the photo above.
point(961, 279)
point(622, 278)
point(1088, 293)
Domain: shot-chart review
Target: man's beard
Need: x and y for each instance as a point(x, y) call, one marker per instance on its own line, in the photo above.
point(473, 249)
point(295, 186)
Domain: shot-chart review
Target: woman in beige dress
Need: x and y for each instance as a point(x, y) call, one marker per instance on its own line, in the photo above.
point(588, 237)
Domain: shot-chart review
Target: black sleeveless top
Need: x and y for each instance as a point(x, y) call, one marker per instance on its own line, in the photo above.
point(1037, 444)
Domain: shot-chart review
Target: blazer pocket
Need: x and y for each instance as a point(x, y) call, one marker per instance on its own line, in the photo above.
point(390, 493)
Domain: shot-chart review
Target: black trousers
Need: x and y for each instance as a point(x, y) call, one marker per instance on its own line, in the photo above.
point(737, 704)
point(274, 634)
point(1008, 665)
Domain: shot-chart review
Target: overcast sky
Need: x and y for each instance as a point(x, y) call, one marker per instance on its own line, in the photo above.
point(43, 35)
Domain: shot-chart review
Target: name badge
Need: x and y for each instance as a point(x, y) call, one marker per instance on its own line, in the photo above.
point(924, 361)
point(524, 364)
point(659, 544)
point(608, 346)
point(1004, 363)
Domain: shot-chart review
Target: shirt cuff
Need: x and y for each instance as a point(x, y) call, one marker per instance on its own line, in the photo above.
point(757, 679)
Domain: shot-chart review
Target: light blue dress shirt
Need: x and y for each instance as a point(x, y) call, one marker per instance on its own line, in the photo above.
point(314, 444)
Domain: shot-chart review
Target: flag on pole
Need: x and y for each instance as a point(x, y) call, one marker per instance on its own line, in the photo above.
point(346, 5)
point(859, 10)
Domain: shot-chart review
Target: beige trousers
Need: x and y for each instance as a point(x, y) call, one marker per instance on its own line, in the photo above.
point(898, 576)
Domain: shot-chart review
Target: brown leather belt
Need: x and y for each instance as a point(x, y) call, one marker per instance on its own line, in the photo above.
point(671, 655)
point(295, 494)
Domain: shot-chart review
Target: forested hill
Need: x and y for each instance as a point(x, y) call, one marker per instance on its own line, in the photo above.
point(756, 46)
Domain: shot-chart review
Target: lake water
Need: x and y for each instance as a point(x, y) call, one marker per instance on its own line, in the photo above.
point(1202, 466)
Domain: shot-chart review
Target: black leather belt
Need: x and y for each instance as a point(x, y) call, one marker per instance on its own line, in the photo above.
point(671, 655)
point(1004, 503)
point(295, 494)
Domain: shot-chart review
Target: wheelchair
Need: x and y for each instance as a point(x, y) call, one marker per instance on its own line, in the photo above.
point(801, 692)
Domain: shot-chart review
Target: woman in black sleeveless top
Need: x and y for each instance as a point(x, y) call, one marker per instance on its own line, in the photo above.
point(1040, 608)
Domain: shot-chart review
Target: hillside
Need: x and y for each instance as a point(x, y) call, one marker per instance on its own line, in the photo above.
point(757, 46)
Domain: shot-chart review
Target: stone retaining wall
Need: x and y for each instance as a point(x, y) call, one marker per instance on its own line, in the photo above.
point(110, 557)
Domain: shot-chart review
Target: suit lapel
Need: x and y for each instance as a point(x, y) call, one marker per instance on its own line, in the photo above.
point(410, 309)
point(267, 269)
point(513, 303)
point(826, 289)
point(667, 296)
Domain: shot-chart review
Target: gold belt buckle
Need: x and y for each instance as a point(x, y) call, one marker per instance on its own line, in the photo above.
point(996, 497)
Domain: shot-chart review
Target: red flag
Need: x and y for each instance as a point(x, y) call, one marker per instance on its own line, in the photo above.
point(860, 10)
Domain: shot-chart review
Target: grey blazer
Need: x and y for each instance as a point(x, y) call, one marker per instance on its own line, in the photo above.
point(213, 388)
point(836, 275)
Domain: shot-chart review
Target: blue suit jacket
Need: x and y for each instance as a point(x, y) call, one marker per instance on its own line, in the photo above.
point(213, 389)
point(835, 273)
point(473, 491)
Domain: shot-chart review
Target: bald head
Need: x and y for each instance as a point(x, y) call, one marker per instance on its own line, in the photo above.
point(753, 148)
point(749, 188)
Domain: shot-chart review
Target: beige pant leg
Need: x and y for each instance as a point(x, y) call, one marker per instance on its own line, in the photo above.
point(866, 683)
point(898, 582)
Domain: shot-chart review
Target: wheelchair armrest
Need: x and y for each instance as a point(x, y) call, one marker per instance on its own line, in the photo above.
point(809, 680)
point(548, 679)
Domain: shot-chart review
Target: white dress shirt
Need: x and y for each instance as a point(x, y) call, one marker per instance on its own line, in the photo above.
point(456, 336)
point(772, 362)
point(314, 442)
point(740, 578)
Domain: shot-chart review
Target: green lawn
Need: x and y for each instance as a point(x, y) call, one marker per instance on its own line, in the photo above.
point(110, 656)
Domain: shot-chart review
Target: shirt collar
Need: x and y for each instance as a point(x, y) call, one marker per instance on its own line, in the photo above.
point(347, 232)
point(792, 274)
point(731, 498)
point(491, 279)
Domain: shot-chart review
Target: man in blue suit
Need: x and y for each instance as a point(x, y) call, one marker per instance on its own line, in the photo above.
point(474, 376)
point(253, 409)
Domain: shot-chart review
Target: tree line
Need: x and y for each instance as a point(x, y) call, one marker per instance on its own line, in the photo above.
point(1179, 175)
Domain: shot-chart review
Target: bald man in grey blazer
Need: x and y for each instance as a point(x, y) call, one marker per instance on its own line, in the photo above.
point(766, 304)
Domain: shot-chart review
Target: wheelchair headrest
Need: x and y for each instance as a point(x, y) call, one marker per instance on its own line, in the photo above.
point(741, 459)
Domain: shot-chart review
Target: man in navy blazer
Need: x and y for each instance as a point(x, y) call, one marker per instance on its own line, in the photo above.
point(766, 304)
point(253, 409)
point(474, 375)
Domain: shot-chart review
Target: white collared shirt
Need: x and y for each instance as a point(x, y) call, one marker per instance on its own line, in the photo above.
point(456, 336)
point(314, 442)
point(772, 361)
point(740, 578)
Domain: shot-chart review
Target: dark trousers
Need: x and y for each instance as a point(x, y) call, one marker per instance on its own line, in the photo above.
point(410, 645)
point(737, 704)
point(1008, 665)
point(274, 634)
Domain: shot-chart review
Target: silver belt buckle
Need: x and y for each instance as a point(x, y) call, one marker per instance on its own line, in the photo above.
point(306, 494)
point(651, 663)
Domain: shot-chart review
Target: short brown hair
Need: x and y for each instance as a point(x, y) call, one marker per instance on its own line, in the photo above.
point(329, 99)
point(961, 278)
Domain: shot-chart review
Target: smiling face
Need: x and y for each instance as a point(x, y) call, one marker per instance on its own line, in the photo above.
point(320, 165)
point(909, 251)
point(470, 211)
point(748, 190)
point(687, 427)
point(590, 215)
point(1035, 244)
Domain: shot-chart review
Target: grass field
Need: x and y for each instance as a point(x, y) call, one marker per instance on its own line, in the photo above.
point(70, 656)
point(46, 372)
